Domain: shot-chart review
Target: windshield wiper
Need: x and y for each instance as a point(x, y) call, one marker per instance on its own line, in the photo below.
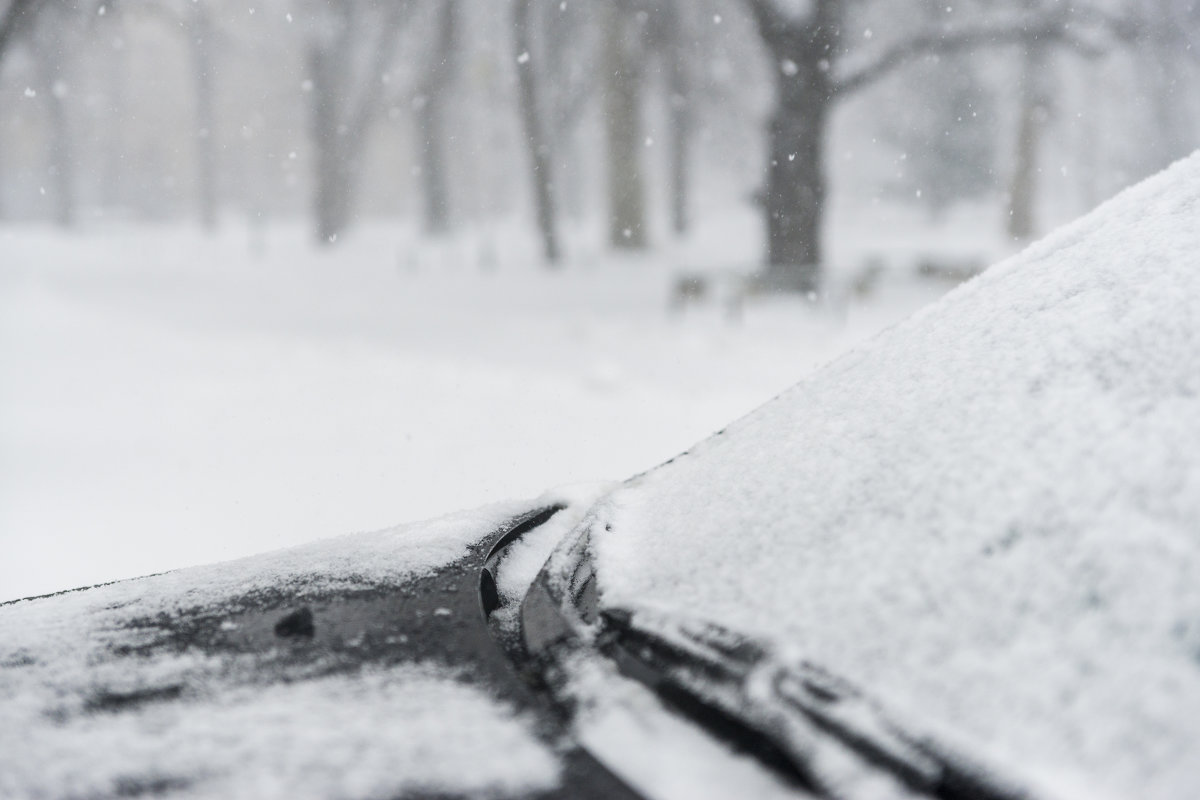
point(791, 709)
point(807, 724)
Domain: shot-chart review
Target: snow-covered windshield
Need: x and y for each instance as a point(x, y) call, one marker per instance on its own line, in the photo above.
point(987, 515)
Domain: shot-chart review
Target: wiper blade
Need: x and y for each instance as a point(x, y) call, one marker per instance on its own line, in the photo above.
point(790, 710)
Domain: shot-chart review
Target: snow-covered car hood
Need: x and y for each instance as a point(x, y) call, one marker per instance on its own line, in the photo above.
point(989, 515)
point(336, 669)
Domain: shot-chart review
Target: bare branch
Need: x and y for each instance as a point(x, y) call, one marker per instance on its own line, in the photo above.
point(1043, 28)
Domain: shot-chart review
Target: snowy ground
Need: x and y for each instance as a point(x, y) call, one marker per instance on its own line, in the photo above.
point(168, 399)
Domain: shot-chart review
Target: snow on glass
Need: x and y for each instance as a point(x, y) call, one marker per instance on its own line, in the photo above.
point(986, 515)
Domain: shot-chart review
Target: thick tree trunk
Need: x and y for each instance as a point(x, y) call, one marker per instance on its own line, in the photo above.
point(206, 152)
point(795, 194)
point(535, 133)
point(794, 197)
point(431, 121)
point(623, 130)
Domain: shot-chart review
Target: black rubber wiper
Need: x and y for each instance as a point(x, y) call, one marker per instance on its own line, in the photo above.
point(787, 709)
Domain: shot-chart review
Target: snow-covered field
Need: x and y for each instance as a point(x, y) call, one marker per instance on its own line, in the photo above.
point(168, 399)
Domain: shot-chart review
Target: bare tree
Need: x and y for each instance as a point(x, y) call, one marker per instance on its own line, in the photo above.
point(564, 54)
point(668, 38)
point(536, 138)
point(567, 70)
point(624, 65)
point(430, 105)
point(1166, 39)
point(48, 27)
point(200, 33)
point(194, 20)
point(1032, 113)
point(52, 45)
point(814, 68)
point(677, 52)
point(352, 44)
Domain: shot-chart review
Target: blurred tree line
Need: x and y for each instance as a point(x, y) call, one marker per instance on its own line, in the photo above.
point(633, 114)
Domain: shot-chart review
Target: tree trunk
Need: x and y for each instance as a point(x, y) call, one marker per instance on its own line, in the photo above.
point(331, 201)
point(62, 163)
point(794, 198)
point(3, 182)
point(206, 152)
point(567, 70)
point(680, 178)
point(679, 115)
point(114, 181)
point(13, 20)
point(61, 150)
point(1022, 193)
point(431, 124)
point(535, 134)
point(1160, 69)
point(795, 194)
point(345, 97)
point(623, 129)
point(434, 189)
point(805, 41)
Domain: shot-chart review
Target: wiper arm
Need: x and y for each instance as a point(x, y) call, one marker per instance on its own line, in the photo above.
point(792, 711)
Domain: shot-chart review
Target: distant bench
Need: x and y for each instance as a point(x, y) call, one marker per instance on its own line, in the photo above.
point(732, 287)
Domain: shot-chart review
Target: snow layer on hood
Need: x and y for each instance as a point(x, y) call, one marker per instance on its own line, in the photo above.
point(380, 733)
point(238, 730)
point(351, 561)
point(988, 515)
